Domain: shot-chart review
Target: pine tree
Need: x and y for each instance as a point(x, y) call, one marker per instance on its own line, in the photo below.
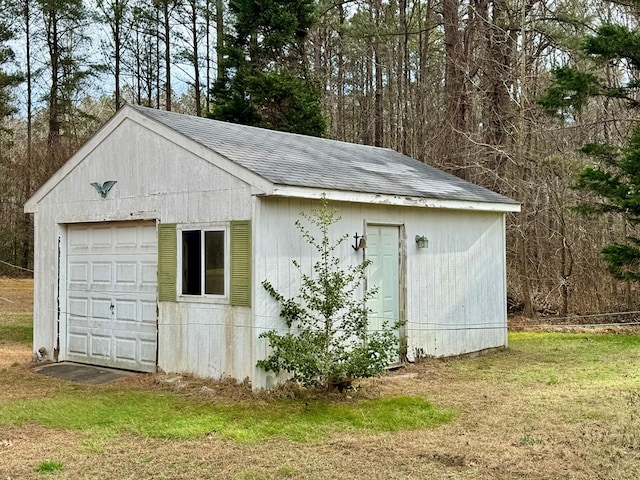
point(12, 248)
point(67, 42)
point(266, 80)
point(614, 179)
point(114, 14)
point(7, 80)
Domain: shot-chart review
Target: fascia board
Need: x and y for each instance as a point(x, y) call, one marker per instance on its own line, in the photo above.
point(383, 199)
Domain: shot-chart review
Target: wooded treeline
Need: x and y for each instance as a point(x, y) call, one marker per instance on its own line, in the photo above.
point(454, 83)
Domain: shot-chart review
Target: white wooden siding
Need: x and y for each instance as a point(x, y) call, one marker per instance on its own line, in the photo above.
point(455, 299)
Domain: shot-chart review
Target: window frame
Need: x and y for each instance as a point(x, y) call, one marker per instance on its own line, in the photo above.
point(202, 296)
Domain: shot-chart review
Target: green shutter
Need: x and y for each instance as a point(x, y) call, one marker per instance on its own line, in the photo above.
point(167, 262)
point(240, 294)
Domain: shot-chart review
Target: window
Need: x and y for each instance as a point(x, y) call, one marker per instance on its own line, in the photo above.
point(203, 262)
point(218, 259)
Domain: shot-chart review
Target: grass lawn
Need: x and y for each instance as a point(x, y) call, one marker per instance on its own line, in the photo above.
point(551, 406)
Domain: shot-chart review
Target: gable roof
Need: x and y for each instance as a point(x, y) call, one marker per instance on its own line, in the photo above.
point(289, 159)
point(288, 164)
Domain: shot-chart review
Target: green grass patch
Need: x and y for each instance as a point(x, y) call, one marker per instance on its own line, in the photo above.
point(167, 415)
point(16, 328)
point(49, 466)
point(601, 360)
point(582, 346)
point(560, 359)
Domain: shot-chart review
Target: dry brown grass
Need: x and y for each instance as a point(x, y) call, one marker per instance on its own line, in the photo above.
point(532, 429)
point(16, 295)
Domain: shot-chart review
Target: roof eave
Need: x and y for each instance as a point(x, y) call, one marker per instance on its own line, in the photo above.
point(396, 200)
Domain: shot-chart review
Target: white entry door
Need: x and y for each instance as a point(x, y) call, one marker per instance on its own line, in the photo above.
point(111, 295)
point(383, 249)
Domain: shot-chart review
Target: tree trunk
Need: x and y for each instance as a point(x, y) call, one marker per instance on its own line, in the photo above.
point(28, 170)
point(51, 23)
point(455, 91)
point(167, 53)
point(117, 46)
point(220, 37)
point(403, 84)
point(378, 131)
point(207, 58)
point(522, 158)
point(196, 57)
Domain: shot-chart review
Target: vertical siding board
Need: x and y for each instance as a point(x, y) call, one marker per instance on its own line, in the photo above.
point(203, 343)
point(45, 286)
point(193, 329)
point(217, 348)
point(274, 270)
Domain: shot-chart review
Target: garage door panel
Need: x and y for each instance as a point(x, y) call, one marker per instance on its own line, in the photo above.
point(126, 349)
point(126, 273)
point(126, 237)
point(77, 240)
point(100, 309)
point(149, 312)
point(112, 287)
point(78, 343)
point(149, 273)
point(101, 273)
point(148, 352)
point(78, 273)
point(126, 311)
point(101, 237)
point(149, 238)
point(100, 345)
point(79, 307)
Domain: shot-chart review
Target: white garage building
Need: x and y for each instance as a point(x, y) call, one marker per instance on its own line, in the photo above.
point(152, 241)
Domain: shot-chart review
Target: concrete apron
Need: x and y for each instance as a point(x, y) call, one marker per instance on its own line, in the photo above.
point(78, 373)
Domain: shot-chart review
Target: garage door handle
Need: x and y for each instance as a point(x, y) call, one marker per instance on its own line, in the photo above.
point(111, 307)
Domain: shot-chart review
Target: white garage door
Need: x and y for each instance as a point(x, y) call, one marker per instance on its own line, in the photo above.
point(111, 295)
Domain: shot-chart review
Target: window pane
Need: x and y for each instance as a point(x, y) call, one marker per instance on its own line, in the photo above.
point(191, 263)
point(214, 262)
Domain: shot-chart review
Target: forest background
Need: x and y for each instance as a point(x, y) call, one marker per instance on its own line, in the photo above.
point(461, 84)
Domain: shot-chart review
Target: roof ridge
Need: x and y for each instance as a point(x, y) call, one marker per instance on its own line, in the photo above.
point(143, 109)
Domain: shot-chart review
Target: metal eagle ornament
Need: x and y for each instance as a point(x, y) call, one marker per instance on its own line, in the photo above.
point(105, 187)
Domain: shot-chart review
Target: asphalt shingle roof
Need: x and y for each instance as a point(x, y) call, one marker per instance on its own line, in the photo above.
point(297, 160)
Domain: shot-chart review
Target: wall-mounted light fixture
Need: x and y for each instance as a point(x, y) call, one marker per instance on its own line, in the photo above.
point(361, 242)
point(422, 241)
